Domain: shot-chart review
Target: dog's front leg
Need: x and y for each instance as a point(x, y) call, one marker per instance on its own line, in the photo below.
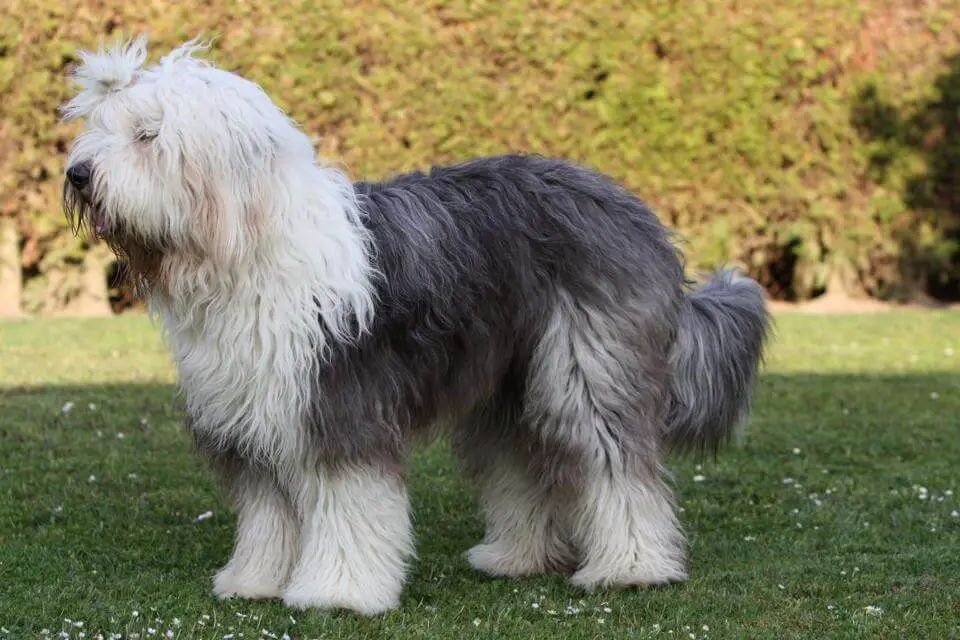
point(355, 540)
point(265, 546)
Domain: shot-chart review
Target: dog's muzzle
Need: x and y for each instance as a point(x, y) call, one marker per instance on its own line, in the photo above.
point(79, 175)
point(80, 180)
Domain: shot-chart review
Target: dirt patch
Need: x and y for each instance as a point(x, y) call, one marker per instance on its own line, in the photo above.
point(839, 304)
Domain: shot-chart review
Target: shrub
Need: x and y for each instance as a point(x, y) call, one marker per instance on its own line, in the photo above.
point(756, 128)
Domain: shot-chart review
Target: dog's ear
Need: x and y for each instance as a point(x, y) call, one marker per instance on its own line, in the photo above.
point(104, 72)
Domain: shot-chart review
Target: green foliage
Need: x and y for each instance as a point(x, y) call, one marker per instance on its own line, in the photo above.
point(737, 121)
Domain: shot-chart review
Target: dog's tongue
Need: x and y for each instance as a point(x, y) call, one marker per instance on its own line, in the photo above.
point(99, 227)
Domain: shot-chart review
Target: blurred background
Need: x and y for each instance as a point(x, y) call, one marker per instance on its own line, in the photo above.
point(815, 143)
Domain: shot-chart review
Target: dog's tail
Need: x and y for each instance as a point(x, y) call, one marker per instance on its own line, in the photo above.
point(719, 348)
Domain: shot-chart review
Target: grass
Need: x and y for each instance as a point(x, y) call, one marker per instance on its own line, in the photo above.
point(835, 516)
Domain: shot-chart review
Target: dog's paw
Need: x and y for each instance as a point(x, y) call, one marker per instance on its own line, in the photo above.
point(591, 578)
point(498, 559)
point(228, 584)
point(369, 602)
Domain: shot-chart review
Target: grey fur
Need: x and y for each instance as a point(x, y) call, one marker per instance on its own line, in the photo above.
point(541, 309)
point(475, 260)
point(476, 257)
point(714, 361)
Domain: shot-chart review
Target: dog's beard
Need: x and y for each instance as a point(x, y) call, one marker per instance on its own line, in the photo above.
point(140, 261)
point(83, 213)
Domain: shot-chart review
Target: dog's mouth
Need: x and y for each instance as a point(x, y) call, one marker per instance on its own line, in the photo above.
point(97, 221)
point(139, 260)
point(83, 212)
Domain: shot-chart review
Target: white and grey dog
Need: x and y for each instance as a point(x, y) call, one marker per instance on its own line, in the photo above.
point(319, 326)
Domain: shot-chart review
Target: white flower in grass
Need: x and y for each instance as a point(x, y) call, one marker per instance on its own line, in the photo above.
point(873, 611)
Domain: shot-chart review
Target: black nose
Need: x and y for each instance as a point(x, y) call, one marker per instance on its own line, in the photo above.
point(79, 175)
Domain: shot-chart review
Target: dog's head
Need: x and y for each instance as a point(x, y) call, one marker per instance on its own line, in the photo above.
point(173, 157)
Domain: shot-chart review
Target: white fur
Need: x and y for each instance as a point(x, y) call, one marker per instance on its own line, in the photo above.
point(265, 259)
point(526, 524)
point(355, 542)
point(627, 533)
point(230, 178)
point(267, 541)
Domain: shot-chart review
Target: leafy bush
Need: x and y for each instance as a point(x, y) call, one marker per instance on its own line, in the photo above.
point(750, 126)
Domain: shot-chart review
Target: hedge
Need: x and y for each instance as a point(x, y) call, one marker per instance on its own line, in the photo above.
point(810, 141)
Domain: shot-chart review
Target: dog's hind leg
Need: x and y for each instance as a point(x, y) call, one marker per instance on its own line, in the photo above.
point(525, 519)
point(595, 392)
point(265, 546)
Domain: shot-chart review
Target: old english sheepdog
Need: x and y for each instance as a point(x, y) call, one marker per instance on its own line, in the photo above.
point(322, 327)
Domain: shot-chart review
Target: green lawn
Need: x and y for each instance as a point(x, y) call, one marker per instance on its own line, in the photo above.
point(835, 516)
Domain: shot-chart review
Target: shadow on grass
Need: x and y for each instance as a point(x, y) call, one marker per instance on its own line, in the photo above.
point(100, 494)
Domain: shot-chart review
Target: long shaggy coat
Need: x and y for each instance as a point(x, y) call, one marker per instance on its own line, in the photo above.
point(322, 327)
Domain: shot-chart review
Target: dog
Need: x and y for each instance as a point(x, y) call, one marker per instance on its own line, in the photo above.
point(322, 328)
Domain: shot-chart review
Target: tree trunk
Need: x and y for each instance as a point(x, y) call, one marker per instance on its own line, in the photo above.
point(11, 272)
point(844, 295)
point(93, 299)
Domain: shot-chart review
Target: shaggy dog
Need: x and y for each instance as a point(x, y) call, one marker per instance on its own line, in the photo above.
point(320, 327)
